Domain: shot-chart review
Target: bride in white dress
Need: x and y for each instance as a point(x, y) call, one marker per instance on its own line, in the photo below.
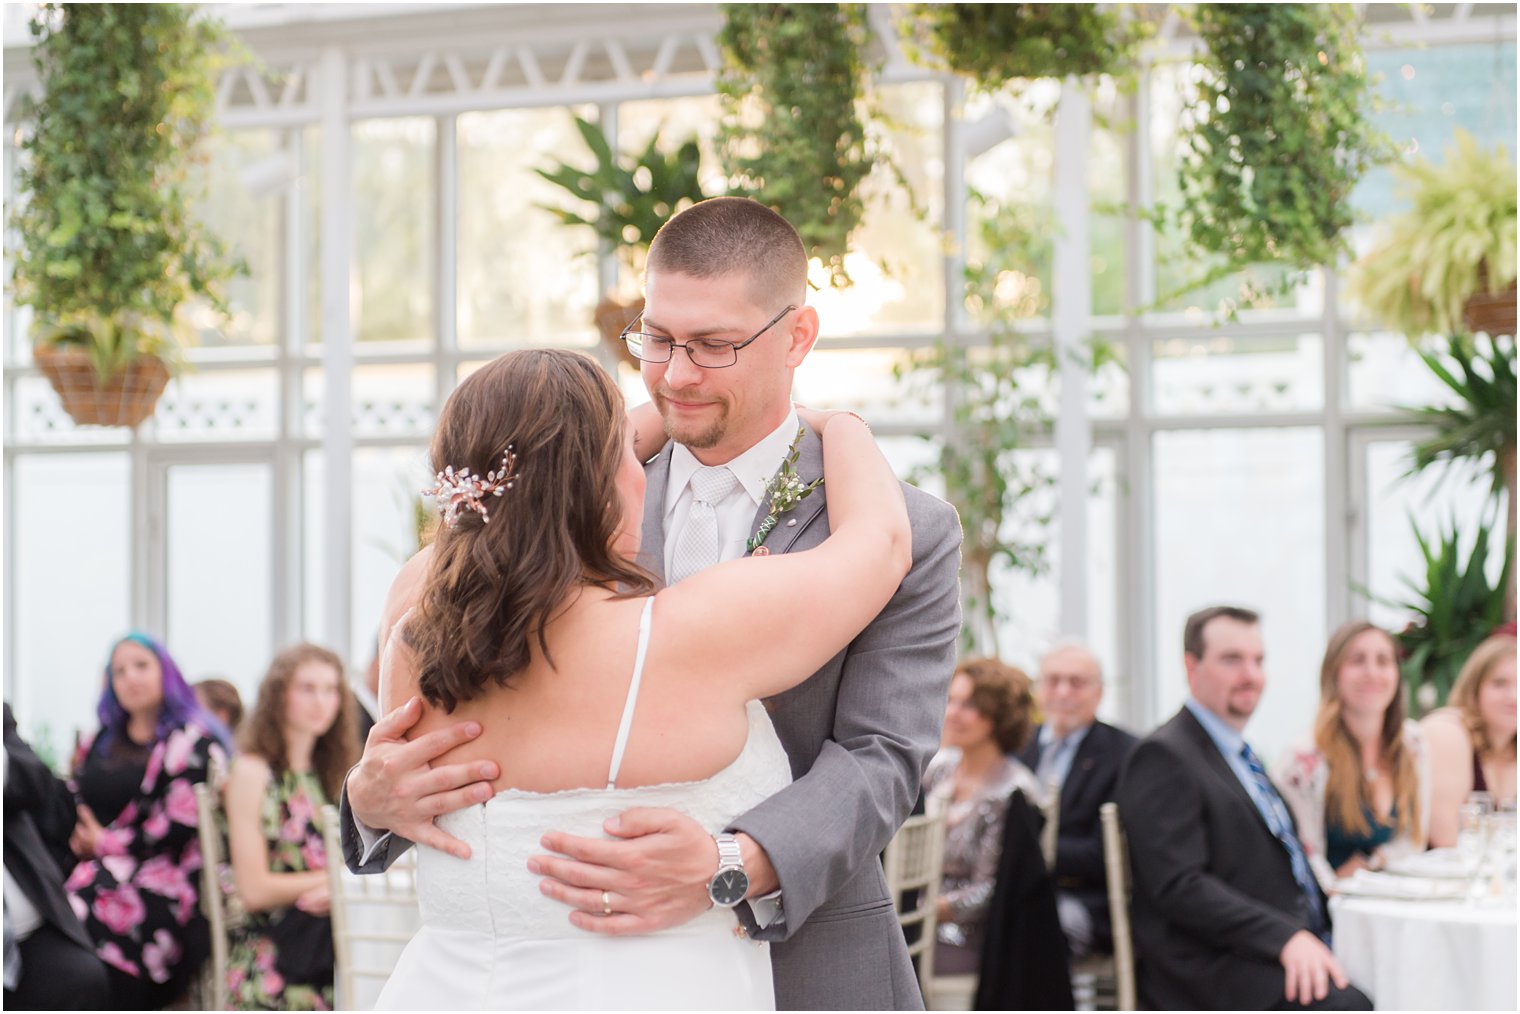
point(596, 693)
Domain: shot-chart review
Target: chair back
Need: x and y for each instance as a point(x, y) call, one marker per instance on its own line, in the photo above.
point(212, 983)
point(1116, 865)
point(914, 863)
point(373, 919)
point(1051, 832)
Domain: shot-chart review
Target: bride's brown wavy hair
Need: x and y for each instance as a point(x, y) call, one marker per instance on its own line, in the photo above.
point(493, 586)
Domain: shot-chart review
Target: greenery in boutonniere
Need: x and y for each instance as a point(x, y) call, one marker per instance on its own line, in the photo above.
point(793, 135)
point(785, 490)
point(1277, 136)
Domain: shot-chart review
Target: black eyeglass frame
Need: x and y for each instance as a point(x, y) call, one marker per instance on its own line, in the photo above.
point(685, 346)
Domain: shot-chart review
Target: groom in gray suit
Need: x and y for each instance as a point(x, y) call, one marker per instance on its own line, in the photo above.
point(724, 328)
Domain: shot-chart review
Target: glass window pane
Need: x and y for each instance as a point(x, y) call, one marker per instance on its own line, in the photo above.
point(862, 380)
point(1031, 605)
point(1220, 374)
point(1240, 521)
point(71, 570)
point(219, 587)
point(525, 279)
point(385, 399)
point(220, 405)
point(394, 199)
point(896, 254)
point(247, 175)
point(1385, 372)
point(387, 518)
point(1435, 499)
point(313, 549)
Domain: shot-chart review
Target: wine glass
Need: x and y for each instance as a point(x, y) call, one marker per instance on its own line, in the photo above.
point(1472, 838)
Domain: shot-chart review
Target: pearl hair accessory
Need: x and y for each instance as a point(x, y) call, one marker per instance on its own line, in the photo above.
point(457, 491)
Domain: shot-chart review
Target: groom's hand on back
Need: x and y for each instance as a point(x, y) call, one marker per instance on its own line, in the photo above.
point(654, 872)
point(394, 787)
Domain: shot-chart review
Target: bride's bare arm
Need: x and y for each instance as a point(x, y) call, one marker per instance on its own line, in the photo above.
point(648, 430)
point(770, 622)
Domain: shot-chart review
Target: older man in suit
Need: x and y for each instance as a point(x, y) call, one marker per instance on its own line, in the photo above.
point(723, 275)
point(50, 961)
point(1227, 914)
point(1077, 760)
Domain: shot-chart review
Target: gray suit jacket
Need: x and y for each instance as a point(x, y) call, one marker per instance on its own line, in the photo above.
point(859, 734)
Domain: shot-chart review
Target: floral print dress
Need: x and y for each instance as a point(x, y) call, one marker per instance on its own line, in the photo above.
point(139, 898)
point(282, 959)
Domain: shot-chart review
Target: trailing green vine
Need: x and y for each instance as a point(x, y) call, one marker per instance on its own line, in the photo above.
point(996, 43)
point(1277, 137)
point(109, 245)
point(793, 136)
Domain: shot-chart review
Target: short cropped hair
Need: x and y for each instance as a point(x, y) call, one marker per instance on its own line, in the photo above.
point(734, 235)
point(1192, 633)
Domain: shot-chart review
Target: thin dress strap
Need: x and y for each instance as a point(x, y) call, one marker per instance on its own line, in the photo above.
point(633, 696)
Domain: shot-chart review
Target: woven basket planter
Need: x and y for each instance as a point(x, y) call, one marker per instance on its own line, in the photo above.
point(611, 317)
point(1491, 312)
point(126, 399)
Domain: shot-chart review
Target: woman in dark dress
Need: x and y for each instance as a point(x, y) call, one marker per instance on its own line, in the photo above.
point(135, 888)
point(297, 745)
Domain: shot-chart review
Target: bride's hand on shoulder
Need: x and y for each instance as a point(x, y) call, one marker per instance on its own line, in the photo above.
point(818, 420)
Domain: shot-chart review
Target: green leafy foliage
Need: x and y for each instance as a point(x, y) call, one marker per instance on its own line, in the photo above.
point(1481, 425)
point(1457, 240)
point(1455, 608)
point(1277, 138)
point(1001, 396)
point(793, 135)
point(630, 199)
point(996, 43)
point(109, 248)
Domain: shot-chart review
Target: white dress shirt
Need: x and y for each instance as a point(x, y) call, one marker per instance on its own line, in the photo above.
point(736, 512)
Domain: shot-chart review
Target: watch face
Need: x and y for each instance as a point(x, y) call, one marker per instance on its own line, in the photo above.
point(728, 888)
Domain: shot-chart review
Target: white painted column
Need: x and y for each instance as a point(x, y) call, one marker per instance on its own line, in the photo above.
point(1071, 310)
point(337, 353)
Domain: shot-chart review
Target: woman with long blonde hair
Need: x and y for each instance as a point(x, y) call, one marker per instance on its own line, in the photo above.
point(1472, 741)
point(1360, 791)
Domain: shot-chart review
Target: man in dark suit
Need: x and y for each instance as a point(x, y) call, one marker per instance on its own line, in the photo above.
point(50, 962)
point(1226, 913)
point(1077, 760)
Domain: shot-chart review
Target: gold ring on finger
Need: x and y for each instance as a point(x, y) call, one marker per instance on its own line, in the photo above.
point(606, 903)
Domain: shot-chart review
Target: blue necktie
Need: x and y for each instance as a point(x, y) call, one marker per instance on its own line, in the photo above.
point(1282, 827)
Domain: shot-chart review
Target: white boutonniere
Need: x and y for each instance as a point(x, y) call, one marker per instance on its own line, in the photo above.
point(785, 490)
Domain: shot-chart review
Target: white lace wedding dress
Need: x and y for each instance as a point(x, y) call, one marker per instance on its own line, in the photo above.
point(491, 940)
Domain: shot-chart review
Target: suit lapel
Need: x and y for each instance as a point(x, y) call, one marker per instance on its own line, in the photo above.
point(809, 467)
point(1221, 767)
point(652, 539)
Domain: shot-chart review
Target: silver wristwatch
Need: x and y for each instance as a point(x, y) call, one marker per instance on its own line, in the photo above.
point(730, 884)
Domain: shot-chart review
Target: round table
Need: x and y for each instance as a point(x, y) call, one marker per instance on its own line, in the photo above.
point(1428, 955)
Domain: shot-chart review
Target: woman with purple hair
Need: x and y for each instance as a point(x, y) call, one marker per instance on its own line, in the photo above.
point(136, 885)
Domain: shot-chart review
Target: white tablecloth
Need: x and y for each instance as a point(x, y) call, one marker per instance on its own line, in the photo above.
point(1428, 955)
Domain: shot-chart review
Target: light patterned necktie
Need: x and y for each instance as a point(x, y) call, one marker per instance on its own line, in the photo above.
point(1281, 825)
point(700, 543)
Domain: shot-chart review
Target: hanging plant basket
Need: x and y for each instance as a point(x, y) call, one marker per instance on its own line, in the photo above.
point(1492, 313)
point(612, 316)
point(126, 399)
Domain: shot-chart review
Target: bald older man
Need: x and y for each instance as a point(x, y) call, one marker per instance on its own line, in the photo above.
point(1077, 759)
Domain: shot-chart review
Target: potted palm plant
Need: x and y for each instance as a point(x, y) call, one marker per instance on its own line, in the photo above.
point(109, 251)
point(625, 202)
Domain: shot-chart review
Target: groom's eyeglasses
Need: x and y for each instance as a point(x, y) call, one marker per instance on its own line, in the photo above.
point(708, 353)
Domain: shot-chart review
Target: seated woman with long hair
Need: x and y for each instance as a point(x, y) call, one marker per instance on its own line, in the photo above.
point(1360, 790)
point(595, 691)
point(297, 744)
point(1472, 741)
point(136, 885)
point(988, 716)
